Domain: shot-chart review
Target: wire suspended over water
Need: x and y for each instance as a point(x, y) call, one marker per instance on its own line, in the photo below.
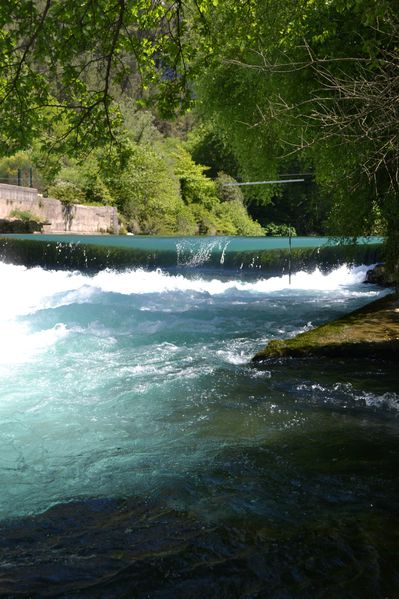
point(278, 181)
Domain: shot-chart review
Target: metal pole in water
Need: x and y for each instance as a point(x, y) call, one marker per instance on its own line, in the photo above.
point(279, 181)
point(289, 254)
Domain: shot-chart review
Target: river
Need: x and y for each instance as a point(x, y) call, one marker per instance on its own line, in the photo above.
point(143, 455)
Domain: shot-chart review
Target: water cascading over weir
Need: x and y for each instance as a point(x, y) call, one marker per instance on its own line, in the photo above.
point(264, 256)
point(143, 453)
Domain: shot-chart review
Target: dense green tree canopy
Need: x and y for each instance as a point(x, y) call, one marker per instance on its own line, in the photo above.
point(315, 82)
point(63, 61)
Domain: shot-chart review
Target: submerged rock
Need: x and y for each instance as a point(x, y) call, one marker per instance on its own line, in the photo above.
point(371, 331)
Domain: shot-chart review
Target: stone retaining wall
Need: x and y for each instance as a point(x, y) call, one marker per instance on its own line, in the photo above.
point(59, 217)
point(15, 192)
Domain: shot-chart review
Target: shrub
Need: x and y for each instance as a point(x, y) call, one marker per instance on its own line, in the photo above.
point(67, 192)
point(273, 230)
point(235, 213)
point(26, 216)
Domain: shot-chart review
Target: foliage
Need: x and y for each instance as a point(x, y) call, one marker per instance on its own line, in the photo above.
point(206, 146)
point(139, 124)
point(207, 199)
point(318, 81)
point(147, 193)
point(26, 216)
point(80, 182)
point(194, 186)
point(227, 189)
point(15, 169)
point(310, 83)
point(9, 166)
point(156, 186)
point(274, 230)
point(68, 61)
point(67, 192)
point(235, 212)
point(305, 206)
point(76, 77)
point(223, 98)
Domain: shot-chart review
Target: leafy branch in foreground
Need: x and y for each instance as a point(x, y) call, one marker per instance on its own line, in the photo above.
point(316, 83)
point(355, 102)
point(60, 60)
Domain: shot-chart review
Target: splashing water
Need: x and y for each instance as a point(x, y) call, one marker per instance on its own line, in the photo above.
point(194, 253)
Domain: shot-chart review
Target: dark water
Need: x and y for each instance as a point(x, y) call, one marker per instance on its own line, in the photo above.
point(143, 455)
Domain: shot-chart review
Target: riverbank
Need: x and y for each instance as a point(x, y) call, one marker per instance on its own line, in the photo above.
point(371, 331)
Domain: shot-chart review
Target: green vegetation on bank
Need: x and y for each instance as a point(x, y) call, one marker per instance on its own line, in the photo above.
point(25, 216)
point(156, 186)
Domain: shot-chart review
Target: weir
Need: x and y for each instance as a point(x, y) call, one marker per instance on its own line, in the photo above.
point(266, 256)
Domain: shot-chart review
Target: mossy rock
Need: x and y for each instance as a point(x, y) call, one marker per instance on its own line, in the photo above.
point(371, 331)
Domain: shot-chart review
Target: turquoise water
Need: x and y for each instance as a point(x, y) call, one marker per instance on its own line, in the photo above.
point(142, 454)
point(193, 244)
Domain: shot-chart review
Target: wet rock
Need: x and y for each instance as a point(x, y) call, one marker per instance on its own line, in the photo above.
point(379, 276)
point(370, 332)
point(15, 225)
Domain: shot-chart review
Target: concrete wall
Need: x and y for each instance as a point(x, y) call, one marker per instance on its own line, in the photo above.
point(59, 217)
point(14, 192)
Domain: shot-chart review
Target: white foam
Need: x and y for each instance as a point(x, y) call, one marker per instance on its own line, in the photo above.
point(25, 291)
point(19, 344)
point(338, 278)
point(140, 281)
point(234, 357)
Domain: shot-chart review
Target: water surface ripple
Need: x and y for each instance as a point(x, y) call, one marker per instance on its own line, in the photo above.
point(142, 454)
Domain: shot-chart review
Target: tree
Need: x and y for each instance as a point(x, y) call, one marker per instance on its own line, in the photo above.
point(67, 61)
point(311, 79)
point(316, 81)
